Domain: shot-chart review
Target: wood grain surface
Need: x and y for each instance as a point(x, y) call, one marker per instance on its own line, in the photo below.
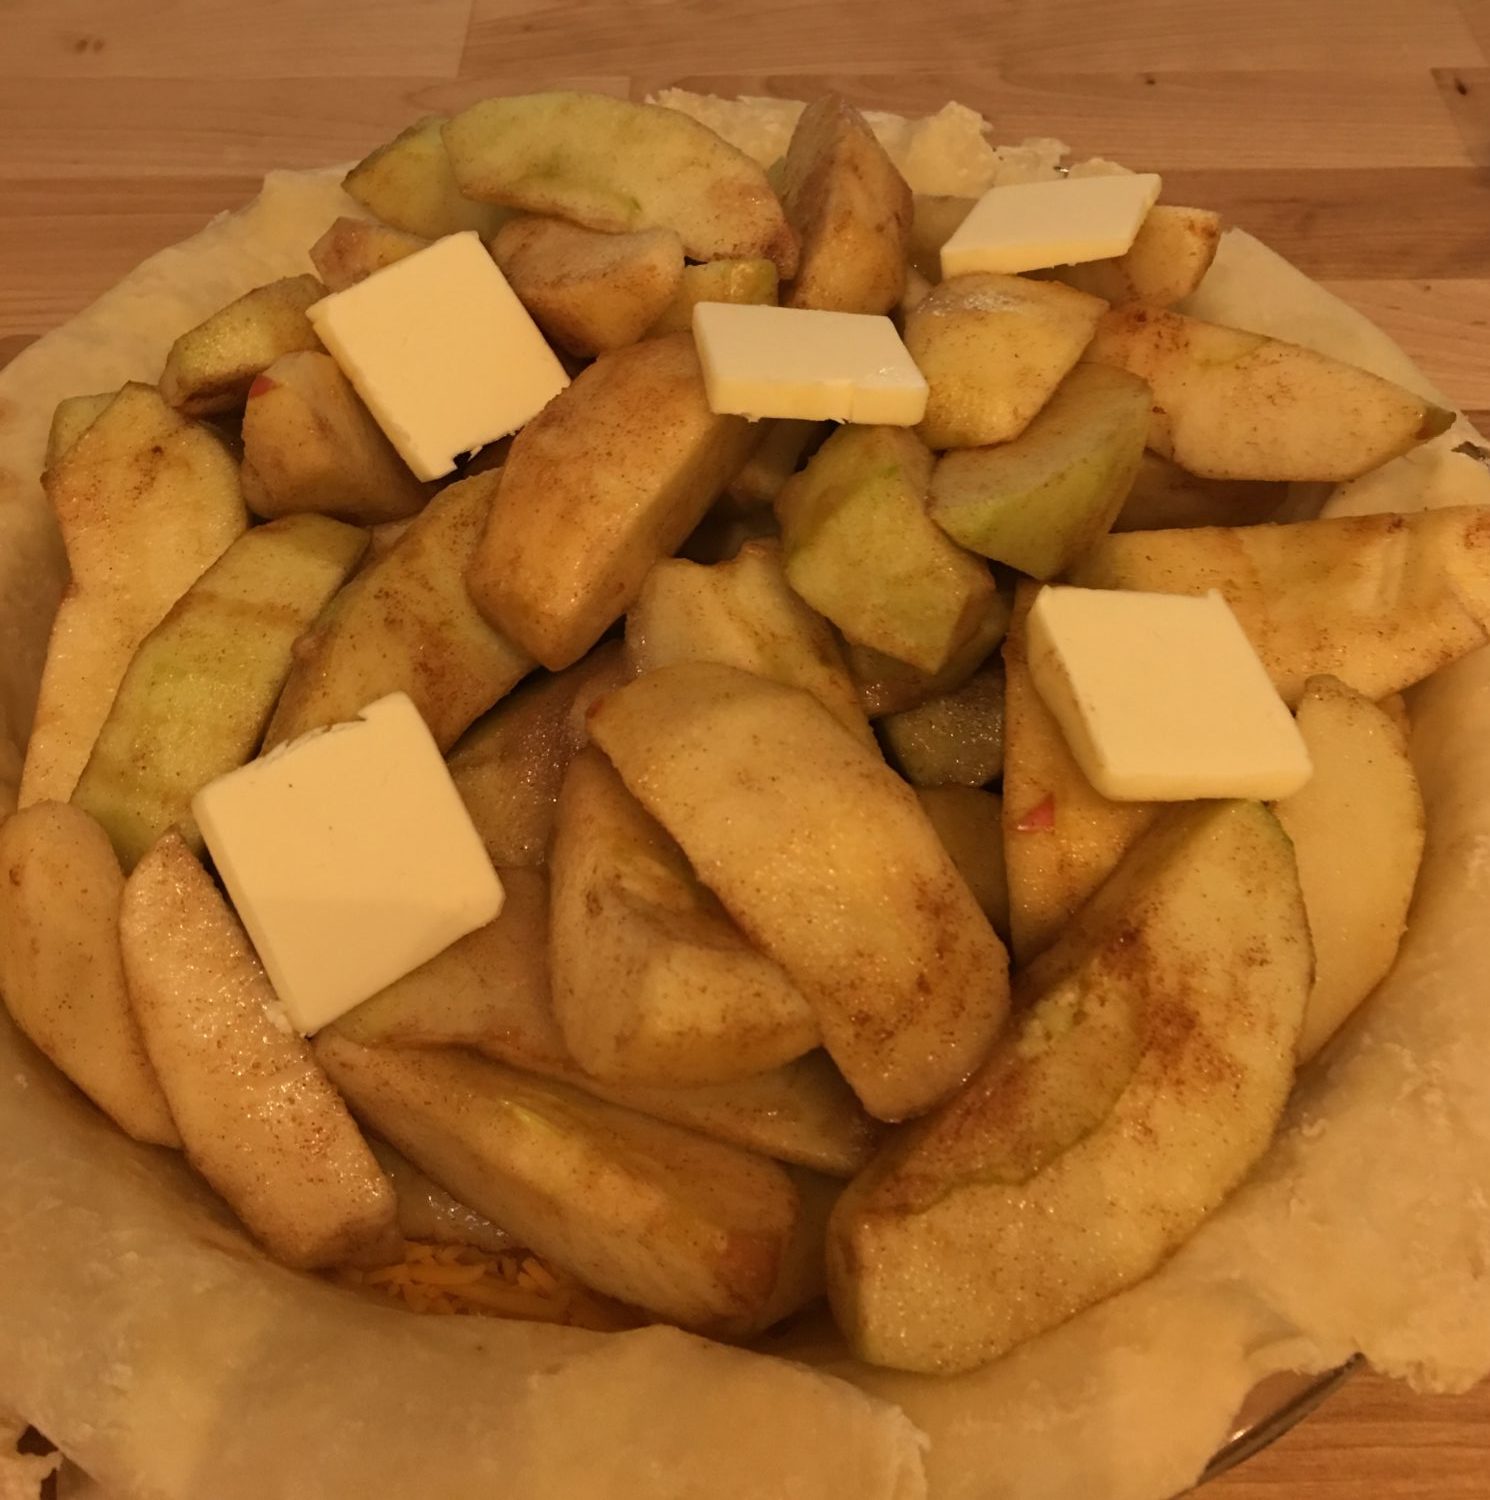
point(1353, 135)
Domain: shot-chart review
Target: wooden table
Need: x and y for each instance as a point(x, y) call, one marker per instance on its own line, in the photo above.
point(1352, 135)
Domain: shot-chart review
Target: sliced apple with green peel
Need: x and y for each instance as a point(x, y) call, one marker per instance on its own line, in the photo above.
point(195, 700)
point(589, 292)
point(352, 249)
point(141, 482)
point(258, 1118)
point(309, 444)
point(610, 476)
point(508, 767)
point(616, 166)
point(954, 740)
point(1146, 1074)
point(744, 614)
point(695, 1231)
point(993, 349)
point(73, 417)
point(888, 686)
point(652, 982)
point(825, 859)
point(969, 822)
point(860, 549)
point(1164, 497)
point(406, 624)
point(61, 974)
point(1062, 837)
point(1379, 601)
point(1235, 405)
point(1038, 502)
point(1167, 260)
point(851, 209)
point(1357, 829)
point(210, 367)
point(751, 279)
point(409, 183)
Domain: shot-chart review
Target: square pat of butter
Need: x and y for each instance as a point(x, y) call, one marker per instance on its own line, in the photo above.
point(764, 361)
point(441, 351)
point(1030, 226)
point(1161, 696)
point(349, 858)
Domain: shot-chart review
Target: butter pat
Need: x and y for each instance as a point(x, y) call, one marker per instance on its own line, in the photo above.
point(441, 351)
point(350, 859)
point(1034, 225)
point(1161, 696)
point(762, 361)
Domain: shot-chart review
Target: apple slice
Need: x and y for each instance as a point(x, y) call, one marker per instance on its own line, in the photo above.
point(210, 367)
point(616, 166)
point(697, 1232)
point(772, 461)
point(751, 279)
point(969, 822)
point(309, 444)
point(352, 249)
point(258, 1119)
point(490, 991)
point(1146, 1075)
point(993, 349)
point(409, 183)
point(1164, 496)
point(1379, 601)
point(954, 740)
point(140, 483)
point(72, 418)
point(744, 614)
point(610, 476)
point(1235, 405)
point(851, 209)
point(508, 767)
point(1165, 263)
point(860, 548)
point(824, 857)
point(1357, 829)
point(406, 624)
point(589, 292)
point(1037, 503)
point(652, 982)
point(888, 686)
point(60, 970)
point(195, 700)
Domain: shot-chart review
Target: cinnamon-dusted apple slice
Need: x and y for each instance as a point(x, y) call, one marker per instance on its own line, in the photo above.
point(652, 982)
point(824, 857)
point(257, 1117)
point(742, 613)
point(309, 444)
point(589, 292)
point(1357, 828)
point(210, 367)
point(1147, 1072)
point(993, 349)
point(406, 624)
point(409, 184)
point(610, 476)
point(352, 249)
point(141, 482)
point(751, 279)
point(1235, 405)
point(704, 1235)
point(73, 417)
point(1167, 260)
point(490, 991)
point(195, 700)
point(1378, 601)
point(617, 166)
point(851, 209)
point(61, 976)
